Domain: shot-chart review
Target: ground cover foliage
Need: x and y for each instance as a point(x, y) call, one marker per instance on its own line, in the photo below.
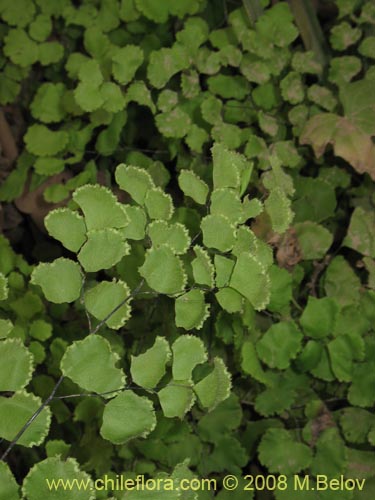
point(187, 271)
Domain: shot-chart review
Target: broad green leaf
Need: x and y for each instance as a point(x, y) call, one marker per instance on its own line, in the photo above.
point(310, 356)
point(42, 141)
point(6, 327)
point(275, 399)
point(165, 63)
point(38, 482)
point(47, 103)
point(341, 358)
point(91, 364)
point(163, 271)
point(60, 280)
point(139, 93)
point(125, 62)
point(250, 363)
point(188, 352)
point(319, 317)
point(90, 72)
point(127, 416)
point(40, 28)
point(281, 454)
point(175, 123)
point(159, 204)
point(196, 138)
point(193, 186)
point(227, 202)
point(228, 167)
point(222, 240)
point(280, 344)
point(314, 240)
point(176, 399)
point(281, 289)
point(250, 279)
point(341, 283)
point(148, 368)
point(211, 109)
point(153, 10)
point(40, 330)
point(215, 387)
point(203, 269)
point(191, 311)
point(356, 424)
point(361, 232)
point(100, 207)
point(292, 88)
point(15, 411)
point(20, 49)
point(223, 268)
point(18, 13)
point(278, 207)
point(330, 458)
point(230, 300)
point(226, 86)
point(9, 488)
point(136, 181)
point(66, 226)
point(136, 228)
point(175, 236)
point(103, 249)
point(17, 365)
point(88, 96)
point(45, 165)
point(113, 98)
point(103, 298)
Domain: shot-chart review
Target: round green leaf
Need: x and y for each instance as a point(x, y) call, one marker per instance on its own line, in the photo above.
point(103, 249)
point(222, 240)
point(38, 482)
point(193, 186)
point(8, 485)
point(42, 141)
point(191, 310)
point(66, 226)
point(60, 280)
point(203, 269)
point(163, 271)
point(16, 366)
point(159, 204)
point(176, 236)
point(136, 181)
point(319, 317)
point(91, 364)
point(47, 104)
point(147, 369)
point(214, 388)
point(16, 411)
point(176, 399)
point(188, 352)
point(101, 299)
point(127, 416)
point(280, 344)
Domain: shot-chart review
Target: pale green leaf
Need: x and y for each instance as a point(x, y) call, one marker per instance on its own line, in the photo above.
point(148, 368)
point(60, 280)
point(250, 363)
point(15, 411)
point(100, 207)
point(159, 204)
point(188, 352)
point(193, 186)
point(9, 489)
point(222, 240)
point(88, 96)
point(278, 207)
point(127, 416)
point(91, 364)
point(125, 62)
point(103, 249)
point(136, 228)
point(227, 202)
point(175, 123)
point(250, 279)
point(230, 300)
point(361, 232)
point(66, 226)
point(191, 310)
point(203, 269)
point(37, 483)
point(214, 388)
point(47, 104)
point(228, 167)
point(176, 399)
point(175, 236)
point(163, 271)
point(16, 366)
point(103, 298)
point(136, 181)
point(165, 63)
point(42, 141)
point(314, 240)
point(280, 344)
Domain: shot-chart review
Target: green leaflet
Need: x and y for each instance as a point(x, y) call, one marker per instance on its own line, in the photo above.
point(9, 487)
point(66, 226)
point(125, 62)
point(188, 352)
point(147, 369)
point(277, 446)
point(230, 300)
point(176, 399)
point(319, 317)
point(222, 240)
point(91, 364)
point(136, 181)
point(313, 239)
point(103, 249)
point(214, 388)
point(136, 227)
point(360, 235)
point(102, 298)
point(17, 365)
point(35, 483)
point(175, 236)
point(226, 202)
point(193, 186)
point(278, 207)
point(42, 141)
point(250, 279)
point(203, 269)
point(250, 363)
point(165, 63)
point(163, 271)
point(47, 104)
point(229, 168)
point(60, 280)
point(127, 416)
point(15, 411)
point(100, 207)
point(159, 205)
point(279, 345)
point(191, 310)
